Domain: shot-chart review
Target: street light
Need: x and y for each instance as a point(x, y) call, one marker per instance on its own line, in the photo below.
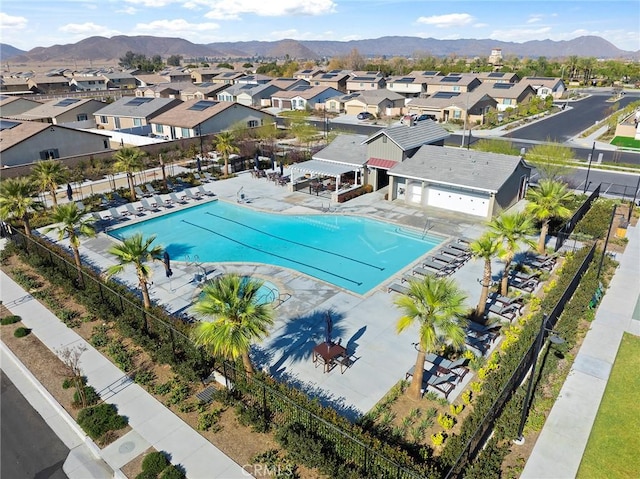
point(538, 346)
point(586, 180)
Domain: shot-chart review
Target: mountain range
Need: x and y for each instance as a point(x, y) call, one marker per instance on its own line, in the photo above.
point(105, 49)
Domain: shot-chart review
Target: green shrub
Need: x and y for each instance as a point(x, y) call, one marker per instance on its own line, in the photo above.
point(155, 462)
point(96, 420)
point(172, 472)
point(120, 355)
point(147, 475)
point(437, 439)
point(446, 421)
point(255, 417)
point(21, 332)
point(144, 377)
point(164, 388)
point(91, 397)
point(10, 319)
point(209, 420)
point(99, 337)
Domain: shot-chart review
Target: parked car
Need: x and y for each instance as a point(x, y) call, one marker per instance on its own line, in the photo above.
point(424, 116)
point(365, 115)
point(408, 118)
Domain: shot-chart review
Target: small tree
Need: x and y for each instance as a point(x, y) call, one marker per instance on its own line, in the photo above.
point(552, 160)
point(547, 201)
point(17, 201)
point(224, 143)
point(70, 358)
point(47, 175)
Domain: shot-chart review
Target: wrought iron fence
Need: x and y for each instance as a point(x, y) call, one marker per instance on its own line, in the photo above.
point(565, 231)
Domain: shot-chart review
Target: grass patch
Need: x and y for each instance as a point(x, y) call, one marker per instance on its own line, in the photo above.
point(614, 442)
point(626, 142)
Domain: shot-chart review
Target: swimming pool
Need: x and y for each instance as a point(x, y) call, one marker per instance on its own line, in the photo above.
point(351, 252)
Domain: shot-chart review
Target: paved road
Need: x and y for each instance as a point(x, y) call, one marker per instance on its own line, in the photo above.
point(30, 449)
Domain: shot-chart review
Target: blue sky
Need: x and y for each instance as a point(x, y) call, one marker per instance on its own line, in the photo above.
point(27, 24)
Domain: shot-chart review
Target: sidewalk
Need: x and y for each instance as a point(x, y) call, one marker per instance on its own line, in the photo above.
point(151, 422)
point(561, 444)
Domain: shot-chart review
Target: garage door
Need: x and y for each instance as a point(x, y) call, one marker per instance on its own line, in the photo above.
point(463, 202)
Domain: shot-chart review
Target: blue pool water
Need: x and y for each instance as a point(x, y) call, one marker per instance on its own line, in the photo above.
point(350, 252)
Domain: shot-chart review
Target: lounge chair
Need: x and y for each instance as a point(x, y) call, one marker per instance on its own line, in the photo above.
point(442, 268)
point(541, 262)
point(208, 177)
point(140, 193)
point(508, 312)
point(178, 199)
point(193, 195)
point(524, 276)
point(445, 384)
point(427, 272)
point(459, 246)
point(99, 221)
point(133, 210)
point(528, 285)
point(506, 300)
point(115, 215)
point(450, 260)
point(205, 192)
point(482, 332)
point(152, 208)
point(446, 366)
point(166, 203)
point(152, 191)
point(456, 253)
point(397, 288)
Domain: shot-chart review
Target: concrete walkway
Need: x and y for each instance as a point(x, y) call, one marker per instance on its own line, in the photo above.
point(561, 444)
point(153, 425)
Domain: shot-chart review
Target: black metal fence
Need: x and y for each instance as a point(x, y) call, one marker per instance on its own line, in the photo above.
point(565, 231)
point(485, 428)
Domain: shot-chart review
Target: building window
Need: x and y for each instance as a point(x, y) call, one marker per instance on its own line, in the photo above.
point(82, 117)
point(106, 144)
point(252, 123)
point(103, 119)
point(184, 132)
point(159, 129)
point(456, 88)
point(137, 122)
point(457, 114)
point(507, 101)
point(49, 154)
point(384, 138)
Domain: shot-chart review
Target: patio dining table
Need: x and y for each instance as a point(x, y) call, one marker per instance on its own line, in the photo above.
point(326, 353)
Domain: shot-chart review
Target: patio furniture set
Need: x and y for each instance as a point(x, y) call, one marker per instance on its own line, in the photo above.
point(443, 375)
point(330, 355)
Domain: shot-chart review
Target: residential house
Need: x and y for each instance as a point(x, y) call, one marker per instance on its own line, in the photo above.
point(163, 90)
point(334, 79)
point(508, 95)
point(11, 106)
point(407, 86)
point(207, 74)
point(256, 79)
point(120, 81)
point(88, 83)
point(64, 111)
point(227, 78)
point(308, 74)
point(498, 77)
point(176, 75)
point(453, 82)
point(249, 94)
point(364, 81)
point(449, 106)
point(25, 142)
point(49, 84)
point(377, 102)
point(336, 104)
point(202, 91)
point(133, 112)
point(288, 83)
point(546, 86)
point(393, 145)
point(196, 118)
point(456, 179)
point(303, 97)
point(15, 85)
point(149, 79)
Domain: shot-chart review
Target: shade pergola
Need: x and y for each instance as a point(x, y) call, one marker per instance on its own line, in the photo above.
point(324, 168)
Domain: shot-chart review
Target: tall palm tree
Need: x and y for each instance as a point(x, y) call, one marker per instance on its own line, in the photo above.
point(437, 306)
point(486, 247)
point(17, 201)
point(48, 174)
point(129, 161)
point(547, 201)
point(137, 251)
point(225, 144)
point(239, 318)
point(72, 222)
point(511, 230)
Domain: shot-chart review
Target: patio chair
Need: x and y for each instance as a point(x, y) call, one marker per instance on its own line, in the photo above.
point(508, 312)
point(140, 193)
point(525, 285)
point(178, 199)
point(427, 272)
point(457, 245)
point(208, 177)
point(442, 268)
point(397, 288)
point(193, 195)
point(525, 276)
point(456, 253)
point(152, 191)
point(115, 215)
point(445, 384)
point(205, 192)
point(133, 210)
point(481, 332)
point(151, 208)
point(445, 366)
point(450, 260)
point(506, 300)
point(99, 221)
point(541, 262)
point(159, 201)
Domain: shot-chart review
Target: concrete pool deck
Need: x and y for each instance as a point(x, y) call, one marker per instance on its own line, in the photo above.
point(365, 324)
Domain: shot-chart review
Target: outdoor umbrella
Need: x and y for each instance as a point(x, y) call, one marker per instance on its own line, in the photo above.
point(273, 163)
point(198, 165)
point(69, 192)
point(281, 168)
point(257, 162)
point(167, 265)
point(329, 327)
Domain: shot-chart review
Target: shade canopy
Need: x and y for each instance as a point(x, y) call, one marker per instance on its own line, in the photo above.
point(325, 168)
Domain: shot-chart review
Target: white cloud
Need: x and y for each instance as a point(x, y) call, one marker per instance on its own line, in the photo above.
point(233, 9)
point(480, 25)
point(88, 29)
point(447, 21)
point(128, 10)
point(153, 3)
point(8, 22)
point(534, 18)
point(194, 32)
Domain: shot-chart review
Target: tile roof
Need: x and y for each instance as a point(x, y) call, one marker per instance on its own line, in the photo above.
point(136, 107)
point(345, 149)
point(459, 167)
point(408, 137)
point(56, 107)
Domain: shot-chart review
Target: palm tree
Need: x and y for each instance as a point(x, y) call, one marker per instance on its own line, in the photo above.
point(485, 247)
point(511, 230)
point(437, 305)
point(224, 142)
point(129, 160)
point(238, 318)
point(547, 201)
point(72, 222)
point(136, 251)
point(48, 174)
point(17, 201)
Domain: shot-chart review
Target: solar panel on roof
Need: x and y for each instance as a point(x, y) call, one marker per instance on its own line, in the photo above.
point(307, 71)
point(503, 86)
point(429, 73)
point(300, 88)
point(7, 124)
point(202, 105)
point(496, 75)
point(406, 80)
point(451, 79)
point(446, 94)
point(334, 72)
point(138, 101)
point(67, 102)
